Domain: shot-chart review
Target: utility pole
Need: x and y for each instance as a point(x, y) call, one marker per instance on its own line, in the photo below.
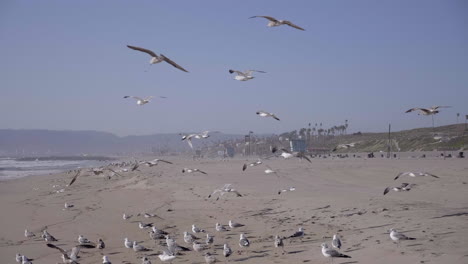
point(389, 147)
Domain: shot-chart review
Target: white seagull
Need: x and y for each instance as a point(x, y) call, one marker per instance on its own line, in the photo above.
point(234, 224)
point(225, 189)
point(244, 76)
point(209, 259)
point(128, 243)
point(105, 260)
point(267, 114)
point(137, 248)
point(192, 171)
point(220, 228)
point(415, 174)
point(227, 251)
point(403, 187)
point(140, 101)
point(275, 22)
point(167, 256)
point(28, 233)
point(243, 241)
point(279, 243)
point(427, 111)
point(396, 236)
point(336, 242)
point(195, 229)
point(252, 164)
point(331, 253)
point(157, 59)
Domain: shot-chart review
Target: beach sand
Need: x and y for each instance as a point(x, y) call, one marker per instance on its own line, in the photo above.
point(342, 196)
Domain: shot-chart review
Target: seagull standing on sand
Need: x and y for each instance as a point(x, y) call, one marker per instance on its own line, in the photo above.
point(209, 259)
point(83, 240)
point(25, 260)
point(243, 241)
point(415, 174)
point(195, 229)
point(244, 76)
point(167, 256)
point(189, 238)
point(28, 233)
point(220, 228)
point(234, 224)
point(275, 22)
point(157, 59)
point(48, 237)
point(105, 260)
point(396, 236)
point(209, 239)
point(227, 251)
point(198, 247)
point(138, 248)
point(126, 216)
point(144, 226)
point(225, 189)
point(19, 258)
point(299, 233)
point(331, 253)
point(128, 243)
point(336, 242)
point(267, 114)
point(279, 243)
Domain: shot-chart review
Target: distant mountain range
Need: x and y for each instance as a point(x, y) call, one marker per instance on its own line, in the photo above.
point(19, 142)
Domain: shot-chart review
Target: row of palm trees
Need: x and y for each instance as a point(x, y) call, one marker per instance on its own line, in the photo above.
point(316, 132)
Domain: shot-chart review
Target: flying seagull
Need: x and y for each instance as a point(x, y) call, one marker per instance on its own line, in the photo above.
point(155, 162)
point(275, 22)
point(225, 189)
point(192, 171)
point(255, 163)
point(157, 59)
point(344, 146)
point(403, 187)
point(415, 174)
point(427, 111)
point(140, 101)
point(244, 76)
point(266, 114)
point(286, 154)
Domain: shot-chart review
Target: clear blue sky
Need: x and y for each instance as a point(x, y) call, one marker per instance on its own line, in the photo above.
point(65, 64)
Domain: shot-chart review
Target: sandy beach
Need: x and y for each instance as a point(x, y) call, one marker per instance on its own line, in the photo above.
point(332, 196)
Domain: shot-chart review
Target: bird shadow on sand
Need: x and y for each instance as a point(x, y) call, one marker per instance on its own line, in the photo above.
point(294, 252)
point(349, 262)
point(114, 253)
point(250, 257)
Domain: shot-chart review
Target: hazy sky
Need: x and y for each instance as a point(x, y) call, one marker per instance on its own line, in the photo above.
point(65, 64)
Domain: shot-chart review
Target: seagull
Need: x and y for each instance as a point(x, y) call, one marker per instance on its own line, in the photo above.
point(67, 205)
point(189, 139)
point(148, 215)
point(415, 174)
point(279, 243)
point(336, 242)
point(25, 260)
point(144, 226)
point(396, 236)
point(105, 260)
point(290, 189)
point(209, 259)
point(48, 237)
point(83, 240)
point(234, 225)
point(189, 238)
point(209, 239)
point(244, 76)
point(220, 228)
point(156, 59)
point(101, 244)
point(266, 114)
point(225, 189)
point(198, 247)
point(128, 243)
point(192, 171)
point(253, 164)
point(19, 258)
point(286, 154)
point(159, 231)
point(243, 241)
point(332, 253)
point(427, 111)
point(145, 260)
point(344, 146)
point(275, 23)
point(155, 162)
point(140, 101)
point(195, 229)
point(403, 187)
point(28, 233)
point(269, 170)
point(73, 256)
point(227, 251)
point(138, 248)
point(298, 233)
point(167, 256)
point(173, 246)
point(126, 216)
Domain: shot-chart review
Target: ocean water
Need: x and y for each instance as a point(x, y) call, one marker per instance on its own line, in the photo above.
point(11, 168)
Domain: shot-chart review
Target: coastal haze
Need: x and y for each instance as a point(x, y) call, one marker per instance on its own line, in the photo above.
point(353, 122)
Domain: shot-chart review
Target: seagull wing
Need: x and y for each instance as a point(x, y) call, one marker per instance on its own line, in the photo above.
point(244, 167)
point(292, 25)
point(202, 172)
point(267, 17)
point(166, 59)
point(400, 174)
point(74, 178)
point(165, 161)
point(412, 109)
point(151, 53)
point(275, 117)
point(148, 98)
point(386, 190)
point(439, 106)
point(54, 246)
point(189, 141)
point(134, 97)
point(304, 157)
point(432, 175)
